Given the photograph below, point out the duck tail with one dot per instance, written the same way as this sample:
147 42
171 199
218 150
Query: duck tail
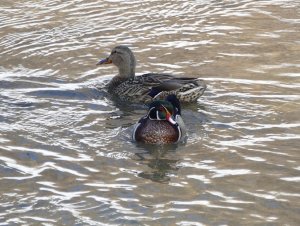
192 91
200 83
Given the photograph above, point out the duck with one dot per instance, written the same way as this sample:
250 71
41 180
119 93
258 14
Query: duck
147 87
162 124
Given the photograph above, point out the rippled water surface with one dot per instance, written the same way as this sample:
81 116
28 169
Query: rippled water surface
66 154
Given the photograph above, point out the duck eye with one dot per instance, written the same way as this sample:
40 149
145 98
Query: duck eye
113 52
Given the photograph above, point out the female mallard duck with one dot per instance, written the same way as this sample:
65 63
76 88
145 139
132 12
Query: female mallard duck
162 124
148 87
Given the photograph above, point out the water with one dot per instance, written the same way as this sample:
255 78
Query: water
66 154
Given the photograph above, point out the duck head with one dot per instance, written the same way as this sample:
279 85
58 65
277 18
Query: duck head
162 110
123 58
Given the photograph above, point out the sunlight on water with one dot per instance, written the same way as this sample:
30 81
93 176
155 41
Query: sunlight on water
66 152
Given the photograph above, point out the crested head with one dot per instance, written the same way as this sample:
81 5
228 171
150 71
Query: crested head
162 110
175 102
123 58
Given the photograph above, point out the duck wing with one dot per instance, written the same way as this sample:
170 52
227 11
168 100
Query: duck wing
158 83
152 79
165 81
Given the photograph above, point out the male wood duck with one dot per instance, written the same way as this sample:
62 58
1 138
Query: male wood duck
162 124
148 87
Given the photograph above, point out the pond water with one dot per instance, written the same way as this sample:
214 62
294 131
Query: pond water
66 154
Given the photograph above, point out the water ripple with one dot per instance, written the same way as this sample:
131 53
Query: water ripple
66 153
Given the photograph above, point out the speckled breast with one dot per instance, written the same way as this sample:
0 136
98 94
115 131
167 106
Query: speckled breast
157 132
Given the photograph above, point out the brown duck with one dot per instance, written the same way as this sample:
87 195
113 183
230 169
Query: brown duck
148 87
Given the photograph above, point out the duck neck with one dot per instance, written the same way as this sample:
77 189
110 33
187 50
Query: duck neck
117 80
123 76
127 72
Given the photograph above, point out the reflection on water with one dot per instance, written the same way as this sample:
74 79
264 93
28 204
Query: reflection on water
66 154
161 167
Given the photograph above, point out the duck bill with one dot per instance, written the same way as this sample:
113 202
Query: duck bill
169 117
104 61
